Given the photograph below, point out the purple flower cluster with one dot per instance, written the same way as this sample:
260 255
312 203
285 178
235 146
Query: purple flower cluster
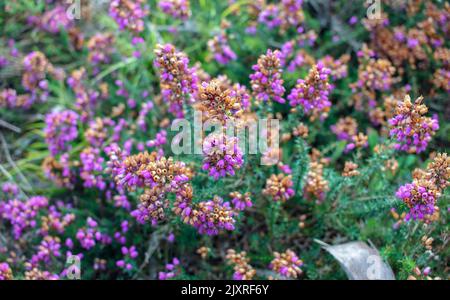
419 197
266 82
53 20
412 130
5 272
22 214
129 14
100 49
159 140
90 235
34 79
86 98
92 168
60 130
313 92
10 188
287 264
241 201
179 9
129 255
214 216
178 82
10 99
221 50
47 250
172 270
270 16
240 92
56 220
119 236
222 155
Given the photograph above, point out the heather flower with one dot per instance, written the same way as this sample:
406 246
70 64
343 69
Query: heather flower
376 74
10 99
129 255
92 168
346 129
306 38
350 169
222 155
179 9
301 130
270 16
279 187
60 130
420 197
313 92
97 133
292 13
100 49
55 220
36 274
213 216
129 14
178 82
241 201
5 272
48 249
146 169
286 264
59 171
22 214
412 130
36 66
286 51
218 102
159 140
242 96
10 188
88 236
316 185
151 208
221 50
240 262
338 67
438 171
441 79
172 269
86 99
266 82
301 58
54 20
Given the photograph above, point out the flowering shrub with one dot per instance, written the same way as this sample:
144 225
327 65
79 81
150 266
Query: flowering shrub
176 139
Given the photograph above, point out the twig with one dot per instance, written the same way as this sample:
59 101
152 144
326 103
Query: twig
10 126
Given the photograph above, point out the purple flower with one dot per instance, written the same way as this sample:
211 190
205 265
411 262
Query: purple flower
221 50
178 82
60 130
22 214
270 16
222 156
420 198
266 82
412 130
129 14
313 92
179 9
